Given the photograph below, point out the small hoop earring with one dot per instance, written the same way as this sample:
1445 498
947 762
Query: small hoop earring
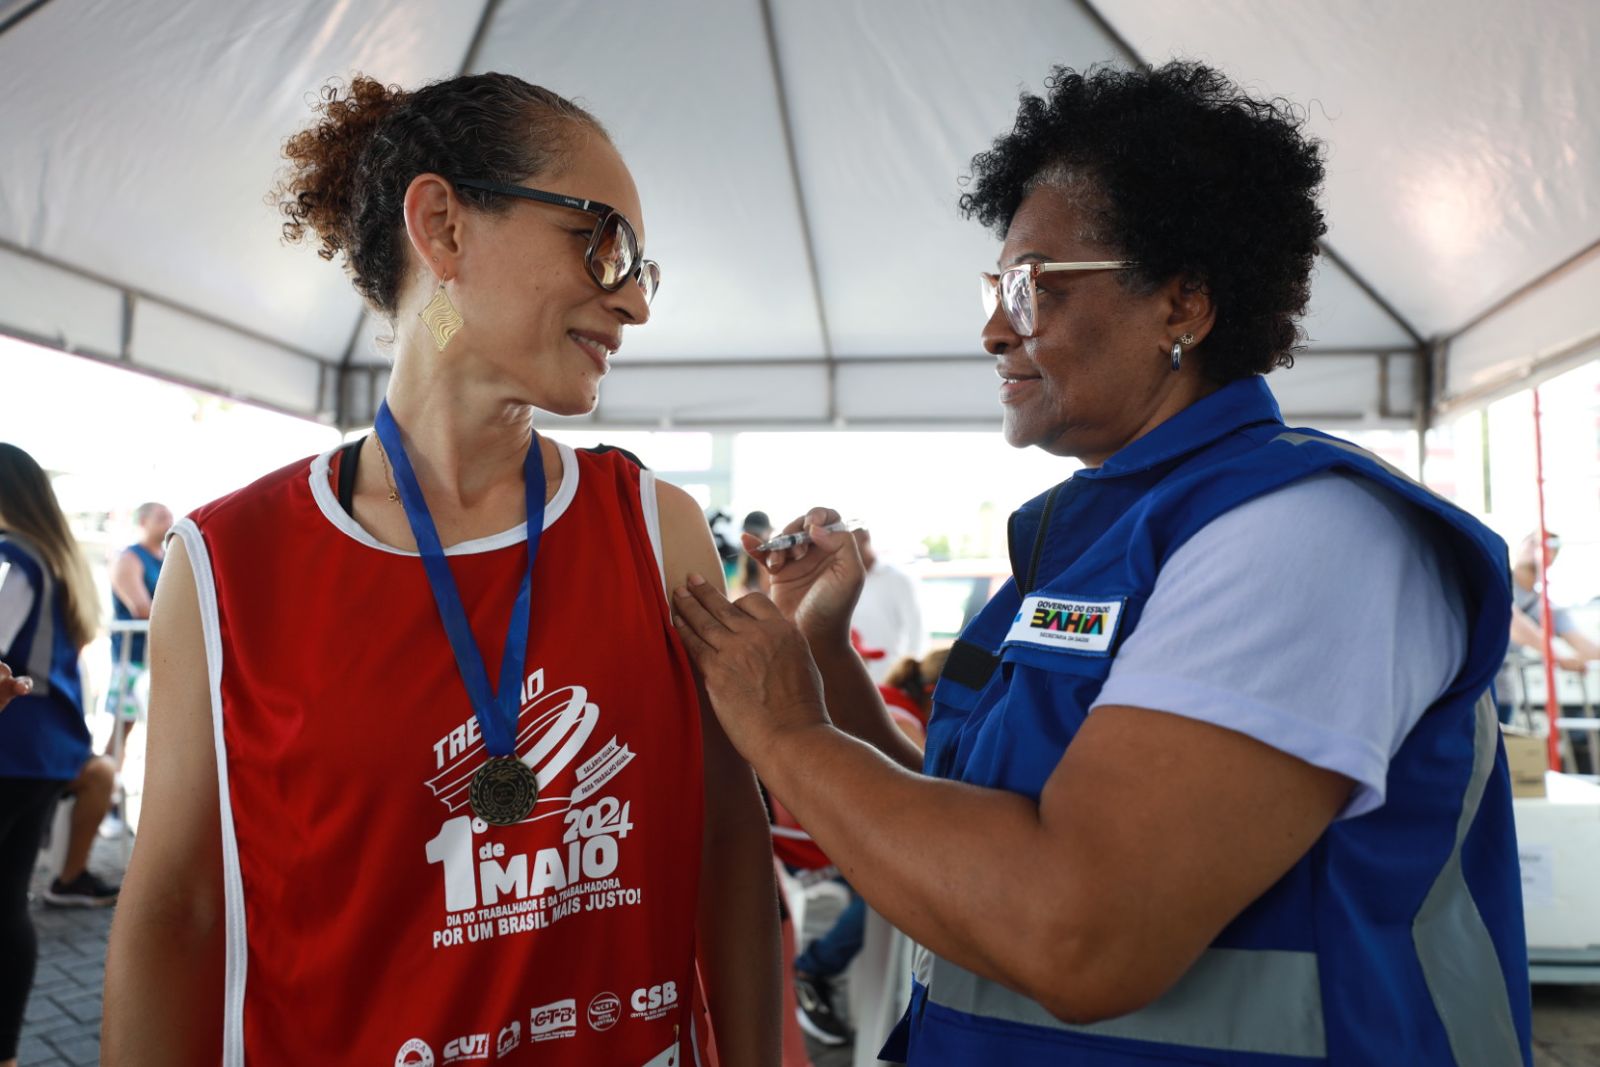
441 318
1177 350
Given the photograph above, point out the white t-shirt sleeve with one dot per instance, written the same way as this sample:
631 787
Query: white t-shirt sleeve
1319 619
910 613
888 618
16 600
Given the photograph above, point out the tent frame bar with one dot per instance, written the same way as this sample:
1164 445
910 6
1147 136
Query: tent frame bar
130 295
209 388
702 363
1535 370
1522 292
1527 376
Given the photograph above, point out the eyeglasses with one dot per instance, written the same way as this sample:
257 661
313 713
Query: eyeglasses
613 253
1016 290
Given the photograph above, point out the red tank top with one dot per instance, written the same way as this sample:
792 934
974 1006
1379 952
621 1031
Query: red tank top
371 919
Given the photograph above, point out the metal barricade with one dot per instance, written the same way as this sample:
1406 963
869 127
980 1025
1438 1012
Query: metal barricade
1575 715
123 698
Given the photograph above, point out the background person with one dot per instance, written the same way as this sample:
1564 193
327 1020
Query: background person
74 885
47 615
498 229
133 584
1157 819
1527 611
726 540
1573 650
888 616
12 686
752 576
907 694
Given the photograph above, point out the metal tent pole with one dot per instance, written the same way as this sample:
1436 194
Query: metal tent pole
1546 620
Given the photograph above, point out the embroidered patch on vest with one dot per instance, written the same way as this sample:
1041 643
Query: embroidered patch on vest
1066 625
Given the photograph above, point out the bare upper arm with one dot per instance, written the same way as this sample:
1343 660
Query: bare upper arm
127 581
686 545
166 960
687 548
1166 828
180 829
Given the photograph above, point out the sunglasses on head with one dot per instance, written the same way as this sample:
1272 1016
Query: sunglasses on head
613 253
1017 291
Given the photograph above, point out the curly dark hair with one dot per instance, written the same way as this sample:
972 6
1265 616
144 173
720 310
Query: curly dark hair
348 173
1187 176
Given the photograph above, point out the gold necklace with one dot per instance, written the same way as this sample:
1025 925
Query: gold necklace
393 495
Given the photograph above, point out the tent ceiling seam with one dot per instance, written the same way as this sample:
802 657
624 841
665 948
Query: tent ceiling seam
479 34
1417 340
1527 289
808 236
12 21
1128 51
1134 56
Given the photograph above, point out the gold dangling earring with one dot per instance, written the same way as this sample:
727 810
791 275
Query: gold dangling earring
441 318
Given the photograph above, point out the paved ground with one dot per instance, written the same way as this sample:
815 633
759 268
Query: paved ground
62 1026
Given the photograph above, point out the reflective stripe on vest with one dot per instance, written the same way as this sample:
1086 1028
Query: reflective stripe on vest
1305 438
1453 944
1281 1015
1270 1001
1452 940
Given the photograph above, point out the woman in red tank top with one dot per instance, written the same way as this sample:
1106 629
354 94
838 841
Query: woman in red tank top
431 781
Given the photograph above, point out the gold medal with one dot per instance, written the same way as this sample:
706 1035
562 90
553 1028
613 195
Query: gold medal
503 791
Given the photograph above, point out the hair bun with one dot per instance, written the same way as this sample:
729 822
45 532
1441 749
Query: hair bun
349 171
318 191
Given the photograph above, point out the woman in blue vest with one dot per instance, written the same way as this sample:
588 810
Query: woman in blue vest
1213 779
48 612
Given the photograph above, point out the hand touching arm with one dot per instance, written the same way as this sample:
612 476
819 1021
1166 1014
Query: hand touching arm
737 942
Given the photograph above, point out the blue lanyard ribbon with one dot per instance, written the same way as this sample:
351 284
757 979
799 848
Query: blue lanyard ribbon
497 712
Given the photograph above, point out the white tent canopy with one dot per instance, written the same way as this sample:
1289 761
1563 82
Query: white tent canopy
798 162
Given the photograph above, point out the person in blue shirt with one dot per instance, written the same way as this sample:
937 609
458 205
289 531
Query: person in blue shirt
1215 778
133 585
48 612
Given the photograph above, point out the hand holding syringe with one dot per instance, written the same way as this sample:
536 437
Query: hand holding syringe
783 542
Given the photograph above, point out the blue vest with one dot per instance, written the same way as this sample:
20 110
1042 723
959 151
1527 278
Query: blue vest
42 735
1398 939
119 610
